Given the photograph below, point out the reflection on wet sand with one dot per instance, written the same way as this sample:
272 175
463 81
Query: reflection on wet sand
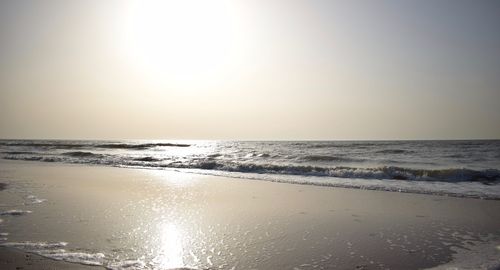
144 219
170 250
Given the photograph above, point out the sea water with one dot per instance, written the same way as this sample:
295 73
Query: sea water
468 168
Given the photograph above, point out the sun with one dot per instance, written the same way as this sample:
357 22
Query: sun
186 41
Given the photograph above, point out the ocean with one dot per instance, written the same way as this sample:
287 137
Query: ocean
469 168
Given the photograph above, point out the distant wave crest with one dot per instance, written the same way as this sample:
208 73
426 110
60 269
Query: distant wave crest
139 146
75 145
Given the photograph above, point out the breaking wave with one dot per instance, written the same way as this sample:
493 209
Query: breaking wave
395 173
488 176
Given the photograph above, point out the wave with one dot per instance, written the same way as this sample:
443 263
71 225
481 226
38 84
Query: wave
150 159
487 176
14 212
394 151
31 245
338 145
20 153
82 154
139 146
54 145
385 172
27 158
327 158
60 145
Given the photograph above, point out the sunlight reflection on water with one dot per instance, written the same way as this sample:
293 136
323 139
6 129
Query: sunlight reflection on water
177 180
170 253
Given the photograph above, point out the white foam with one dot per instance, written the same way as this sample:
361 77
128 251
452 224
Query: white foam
32 199
57 251
38 201
75 257
3 236
477 256
34 246
459 189
15 212
127 265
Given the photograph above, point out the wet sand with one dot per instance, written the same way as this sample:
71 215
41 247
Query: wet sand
11 259
165 219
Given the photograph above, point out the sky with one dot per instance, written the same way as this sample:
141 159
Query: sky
250 70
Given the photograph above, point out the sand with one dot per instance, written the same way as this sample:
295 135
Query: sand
11 259
166 219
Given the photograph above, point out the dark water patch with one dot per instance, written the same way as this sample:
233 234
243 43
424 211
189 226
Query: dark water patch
394 151
141 146
82 154
20 153
148 159
328 158
14 212
27 158
455 156
47 145
77 145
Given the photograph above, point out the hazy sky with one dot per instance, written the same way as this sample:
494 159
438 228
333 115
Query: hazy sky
250 69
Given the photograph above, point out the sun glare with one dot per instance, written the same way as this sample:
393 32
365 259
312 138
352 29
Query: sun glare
170 250
180 41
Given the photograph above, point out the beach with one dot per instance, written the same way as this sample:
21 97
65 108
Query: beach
249 135
123 218
11 259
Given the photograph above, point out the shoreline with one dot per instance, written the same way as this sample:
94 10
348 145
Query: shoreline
344 183
263 224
